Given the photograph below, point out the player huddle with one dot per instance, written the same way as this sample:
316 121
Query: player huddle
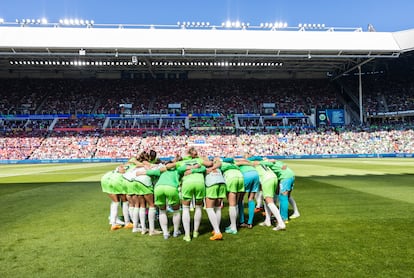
145 183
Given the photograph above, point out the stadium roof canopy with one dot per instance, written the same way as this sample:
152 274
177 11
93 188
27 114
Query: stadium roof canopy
115 51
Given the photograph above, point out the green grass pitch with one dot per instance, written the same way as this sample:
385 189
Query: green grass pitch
357 220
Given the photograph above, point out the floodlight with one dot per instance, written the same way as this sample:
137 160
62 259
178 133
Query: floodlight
371 28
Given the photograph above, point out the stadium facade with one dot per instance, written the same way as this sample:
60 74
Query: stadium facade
117 52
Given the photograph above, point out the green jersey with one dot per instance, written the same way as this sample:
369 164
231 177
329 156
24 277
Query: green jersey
227 166
246 168
169 177
282 170
264 171
182 165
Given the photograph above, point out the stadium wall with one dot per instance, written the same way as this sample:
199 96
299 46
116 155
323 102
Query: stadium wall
121 160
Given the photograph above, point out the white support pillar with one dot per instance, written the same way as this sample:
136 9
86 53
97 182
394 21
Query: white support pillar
361 115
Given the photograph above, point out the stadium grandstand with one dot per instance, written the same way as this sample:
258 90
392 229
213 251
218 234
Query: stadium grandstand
93 92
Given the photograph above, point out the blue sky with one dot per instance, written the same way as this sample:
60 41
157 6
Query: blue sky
384 15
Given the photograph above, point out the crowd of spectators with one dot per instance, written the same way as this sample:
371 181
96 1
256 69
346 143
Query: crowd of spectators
67 145
212 124
118 143
27 96
19 144
384 95
95 96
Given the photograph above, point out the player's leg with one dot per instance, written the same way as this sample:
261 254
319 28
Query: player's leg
135 214
295 213
285 185
125 211
160 201
149 198
199 195
186 219
259 201
113 213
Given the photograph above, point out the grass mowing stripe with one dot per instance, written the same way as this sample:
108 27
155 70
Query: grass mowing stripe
398 187
350 166
387 179
19 170
394 165
89 172
61 174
